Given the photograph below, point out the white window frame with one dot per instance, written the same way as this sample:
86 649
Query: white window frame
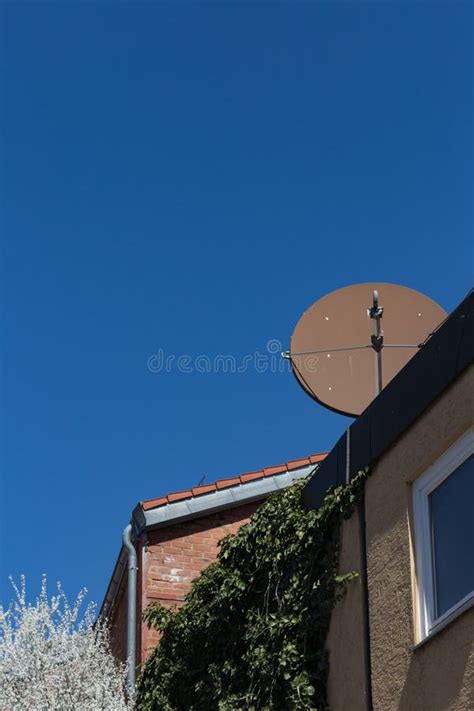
422 488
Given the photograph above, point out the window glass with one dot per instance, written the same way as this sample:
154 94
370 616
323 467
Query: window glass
452 530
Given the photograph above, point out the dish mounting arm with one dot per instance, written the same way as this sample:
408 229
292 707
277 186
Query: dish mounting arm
376 313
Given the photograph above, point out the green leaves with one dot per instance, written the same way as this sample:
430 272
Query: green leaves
252 632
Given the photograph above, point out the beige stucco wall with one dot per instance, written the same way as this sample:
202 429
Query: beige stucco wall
345 639
439 675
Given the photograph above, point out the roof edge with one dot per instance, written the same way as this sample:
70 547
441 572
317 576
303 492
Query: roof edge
217 500
203 489
114 583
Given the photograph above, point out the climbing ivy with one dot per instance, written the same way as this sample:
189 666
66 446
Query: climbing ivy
251 635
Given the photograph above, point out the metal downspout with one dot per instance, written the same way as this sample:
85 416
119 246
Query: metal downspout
131 609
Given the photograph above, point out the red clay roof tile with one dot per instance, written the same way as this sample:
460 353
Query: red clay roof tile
251 476
180 495
203 489
153 503
270 471
297 463
315 458
227 483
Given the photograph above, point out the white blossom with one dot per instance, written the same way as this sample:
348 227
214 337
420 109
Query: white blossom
54 659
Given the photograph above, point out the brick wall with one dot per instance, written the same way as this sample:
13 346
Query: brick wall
169 559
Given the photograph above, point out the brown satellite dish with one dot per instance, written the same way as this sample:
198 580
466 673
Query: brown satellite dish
348 345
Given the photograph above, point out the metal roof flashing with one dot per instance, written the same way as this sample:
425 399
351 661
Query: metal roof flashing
215 501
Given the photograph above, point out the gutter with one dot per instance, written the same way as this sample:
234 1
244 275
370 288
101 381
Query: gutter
114 584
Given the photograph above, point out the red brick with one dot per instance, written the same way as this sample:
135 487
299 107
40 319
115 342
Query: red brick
165 595
177 549
202 562
202 547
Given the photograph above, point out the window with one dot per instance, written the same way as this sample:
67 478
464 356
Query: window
443 508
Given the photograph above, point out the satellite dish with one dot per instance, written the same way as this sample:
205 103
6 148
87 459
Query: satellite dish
348 345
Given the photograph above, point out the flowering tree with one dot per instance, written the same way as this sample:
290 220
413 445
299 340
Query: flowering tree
52 658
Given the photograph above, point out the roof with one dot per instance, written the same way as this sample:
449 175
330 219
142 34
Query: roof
231 481
444 356
208 498
221 494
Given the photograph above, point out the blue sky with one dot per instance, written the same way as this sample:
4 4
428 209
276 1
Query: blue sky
191 177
